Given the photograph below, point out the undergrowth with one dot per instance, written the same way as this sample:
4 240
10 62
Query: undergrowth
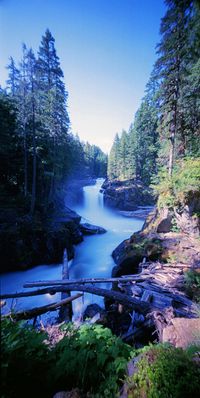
93 360
192 284
90 358
175 190
165 372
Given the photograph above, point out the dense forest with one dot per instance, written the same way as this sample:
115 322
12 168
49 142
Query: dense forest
166 127
144 342
38 150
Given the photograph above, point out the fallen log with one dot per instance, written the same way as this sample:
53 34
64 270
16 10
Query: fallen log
113 295
82 281
34 312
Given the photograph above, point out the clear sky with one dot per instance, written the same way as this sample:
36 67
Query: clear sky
106 49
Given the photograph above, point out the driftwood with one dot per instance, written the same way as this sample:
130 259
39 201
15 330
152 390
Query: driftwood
137 331
113 295
82 281
161 289
154 290
34 312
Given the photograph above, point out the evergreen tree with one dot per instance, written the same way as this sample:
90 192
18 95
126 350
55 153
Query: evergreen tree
22 100
113 160
53 97
44 150
123 158
170 68
13 78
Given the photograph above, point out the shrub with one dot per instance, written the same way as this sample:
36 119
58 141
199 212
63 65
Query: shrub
89 358
25 360
165 372
175 190
92 359
192 279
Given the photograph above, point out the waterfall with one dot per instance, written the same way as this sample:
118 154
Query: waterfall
101 200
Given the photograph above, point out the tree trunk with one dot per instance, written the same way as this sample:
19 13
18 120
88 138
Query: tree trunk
33 197
34 312
125 279
171 150
124 299
25 163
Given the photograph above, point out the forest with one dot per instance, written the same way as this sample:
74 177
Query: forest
166 126
141 339
39 152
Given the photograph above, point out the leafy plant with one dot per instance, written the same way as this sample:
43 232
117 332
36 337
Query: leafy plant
25 360
92 359
165 372
174 227
176 190
89 358
192 280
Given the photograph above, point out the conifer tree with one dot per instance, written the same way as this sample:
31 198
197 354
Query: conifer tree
113 160
13 78
170 66
53 97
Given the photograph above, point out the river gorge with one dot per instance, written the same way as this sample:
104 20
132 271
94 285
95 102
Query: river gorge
92 256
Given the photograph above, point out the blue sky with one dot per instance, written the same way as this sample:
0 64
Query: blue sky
106 49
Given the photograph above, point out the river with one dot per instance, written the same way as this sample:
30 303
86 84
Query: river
92 259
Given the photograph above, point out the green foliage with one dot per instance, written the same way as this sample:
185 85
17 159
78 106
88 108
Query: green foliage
133 154
38 150
166 126
175 227
92 359
94 161
165 372
25 360
192 280
176 190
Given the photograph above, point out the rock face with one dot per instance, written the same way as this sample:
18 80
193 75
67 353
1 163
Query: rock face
26 241
94 309
164 237
182 332
127 195
188 216
89 229
131 252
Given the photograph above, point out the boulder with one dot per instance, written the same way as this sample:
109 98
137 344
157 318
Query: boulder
89 229
188 215
92 310
130 253
164 221
182 332
127 195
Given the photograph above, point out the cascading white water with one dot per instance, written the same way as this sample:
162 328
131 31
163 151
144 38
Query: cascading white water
93 256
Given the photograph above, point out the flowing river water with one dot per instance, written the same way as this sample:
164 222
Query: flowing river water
92 256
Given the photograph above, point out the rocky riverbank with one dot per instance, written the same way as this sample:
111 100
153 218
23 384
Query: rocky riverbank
26 241
161 258
127 195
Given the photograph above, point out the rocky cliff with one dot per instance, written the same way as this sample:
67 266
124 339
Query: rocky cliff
127 195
